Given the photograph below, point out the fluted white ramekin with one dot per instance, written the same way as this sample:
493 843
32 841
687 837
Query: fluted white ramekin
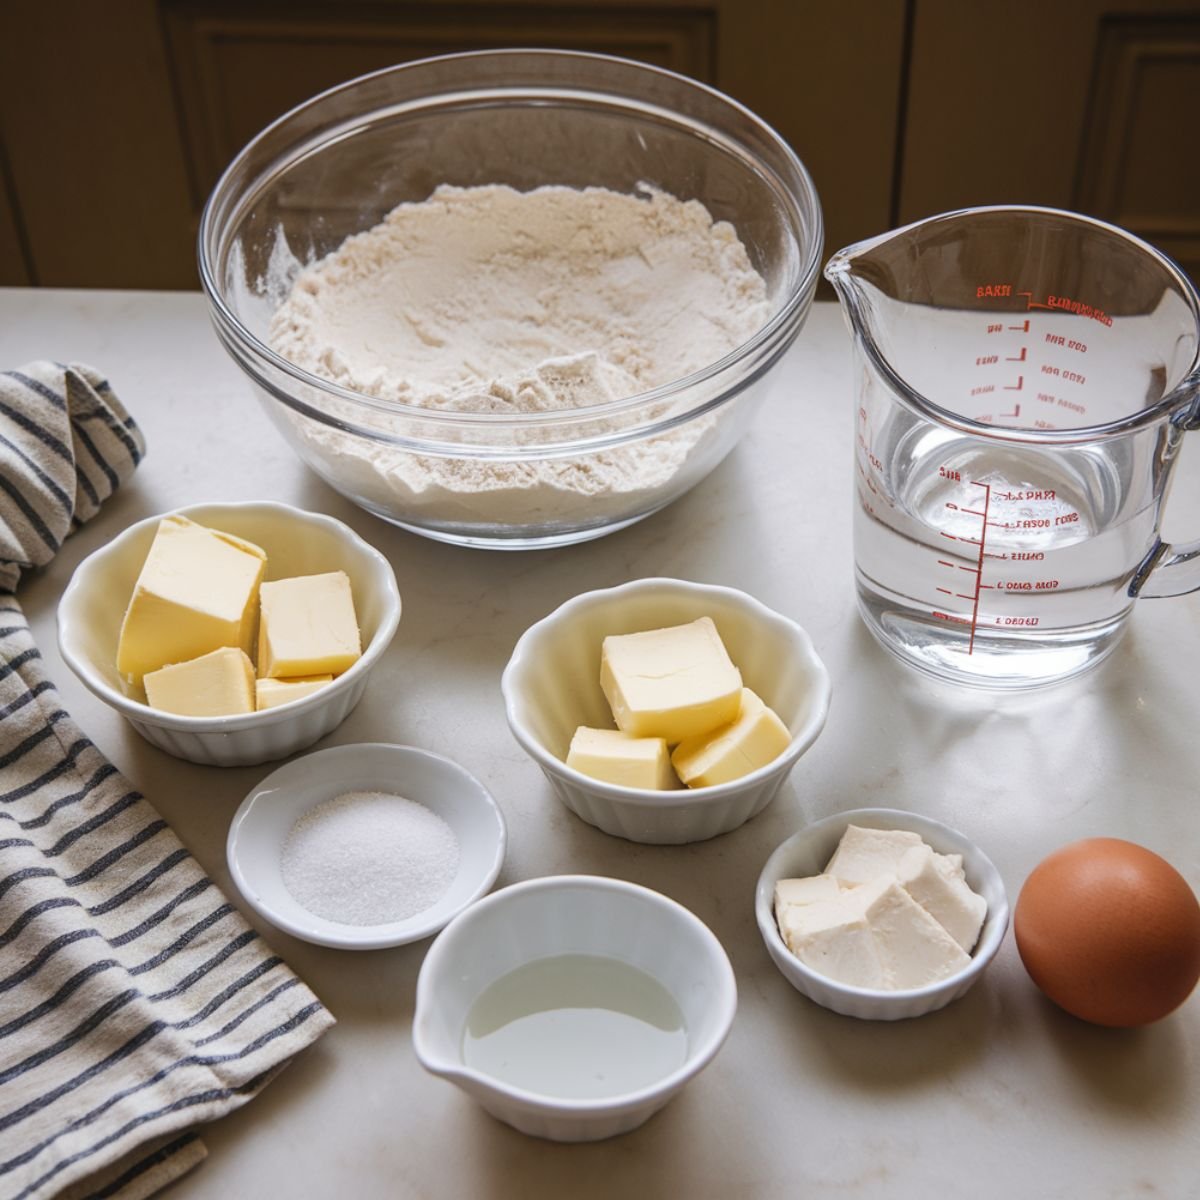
571 914
297 543
552 685
806 853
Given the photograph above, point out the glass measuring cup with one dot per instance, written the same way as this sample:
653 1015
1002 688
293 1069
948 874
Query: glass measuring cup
1024 377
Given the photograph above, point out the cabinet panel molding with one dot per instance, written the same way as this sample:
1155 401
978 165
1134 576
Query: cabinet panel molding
14 269
93 145
1135 171
240 66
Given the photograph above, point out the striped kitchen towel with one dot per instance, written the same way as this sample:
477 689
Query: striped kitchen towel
135 1003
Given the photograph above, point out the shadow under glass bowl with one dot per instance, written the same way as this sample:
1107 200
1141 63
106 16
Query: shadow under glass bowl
337 164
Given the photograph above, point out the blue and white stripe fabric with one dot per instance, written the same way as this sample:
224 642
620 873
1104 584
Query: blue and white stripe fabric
135 1002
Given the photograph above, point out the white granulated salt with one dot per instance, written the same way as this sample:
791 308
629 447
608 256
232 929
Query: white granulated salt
369 858
486 299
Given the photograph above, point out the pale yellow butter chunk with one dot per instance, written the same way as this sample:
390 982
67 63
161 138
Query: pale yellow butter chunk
217 684
307 626
271 693
672 683
619 758
197 591
757 737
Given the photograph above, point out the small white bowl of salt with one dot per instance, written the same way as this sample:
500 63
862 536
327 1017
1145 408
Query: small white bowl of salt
366 846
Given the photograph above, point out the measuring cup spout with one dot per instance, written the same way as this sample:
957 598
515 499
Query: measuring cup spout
872 279
847 269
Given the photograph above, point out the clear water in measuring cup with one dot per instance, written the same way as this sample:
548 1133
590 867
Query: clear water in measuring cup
995 565
1024 383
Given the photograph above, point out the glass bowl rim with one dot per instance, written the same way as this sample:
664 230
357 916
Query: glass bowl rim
787 317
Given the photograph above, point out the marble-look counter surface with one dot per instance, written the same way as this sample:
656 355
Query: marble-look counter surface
1000 1095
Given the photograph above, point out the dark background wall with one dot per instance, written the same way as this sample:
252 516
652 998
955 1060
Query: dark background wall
116 117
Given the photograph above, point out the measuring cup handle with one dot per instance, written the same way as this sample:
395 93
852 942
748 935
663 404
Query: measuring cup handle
1170 570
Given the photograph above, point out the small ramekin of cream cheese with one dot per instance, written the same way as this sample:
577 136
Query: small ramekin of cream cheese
604 658
881 914
205 613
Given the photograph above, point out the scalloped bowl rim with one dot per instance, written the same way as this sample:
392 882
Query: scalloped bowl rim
991 938
798 637
81 665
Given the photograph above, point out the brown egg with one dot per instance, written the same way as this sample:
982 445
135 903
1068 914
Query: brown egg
1110 932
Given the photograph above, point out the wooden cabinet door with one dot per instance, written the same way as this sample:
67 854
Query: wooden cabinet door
1088 105
114 149
14 269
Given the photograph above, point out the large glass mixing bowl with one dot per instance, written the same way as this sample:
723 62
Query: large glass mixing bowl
338 163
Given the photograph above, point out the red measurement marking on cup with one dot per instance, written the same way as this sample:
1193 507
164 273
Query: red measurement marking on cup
988 291
1071 304
977 569
987 500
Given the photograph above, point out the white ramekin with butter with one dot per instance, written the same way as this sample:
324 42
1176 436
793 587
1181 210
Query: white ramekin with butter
297 544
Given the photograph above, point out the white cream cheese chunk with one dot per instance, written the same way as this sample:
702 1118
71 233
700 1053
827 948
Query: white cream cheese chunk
671 683
874 936
805 891
864 854
834 938
914 948
889 912
940 887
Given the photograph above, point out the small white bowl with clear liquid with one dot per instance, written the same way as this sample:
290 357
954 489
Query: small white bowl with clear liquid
573 1007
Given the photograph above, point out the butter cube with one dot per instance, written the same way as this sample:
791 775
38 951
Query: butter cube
197 591
756 737
217 684
671 683
940 887
864 854
270 693
616 757
307 626
804 891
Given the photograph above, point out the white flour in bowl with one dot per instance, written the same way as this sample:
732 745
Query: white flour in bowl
486 299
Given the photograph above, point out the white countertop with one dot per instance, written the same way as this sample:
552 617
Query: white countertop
1000 1095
